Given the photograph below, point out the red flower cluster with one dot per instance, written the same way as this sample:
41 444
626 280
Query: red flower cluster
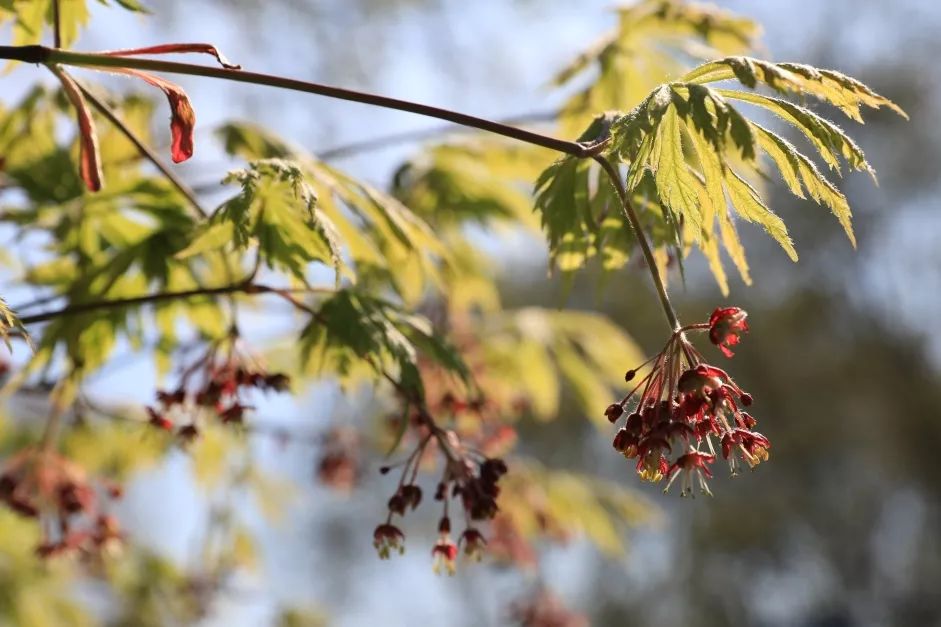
215 385
684 406
469 456
468 477
41 484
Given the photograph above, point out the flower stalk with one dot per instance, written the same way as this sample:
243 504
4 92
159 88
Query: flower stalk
615 177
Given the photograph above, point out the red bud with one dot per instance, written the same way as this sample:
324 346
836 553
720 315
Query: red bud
89 157
183 117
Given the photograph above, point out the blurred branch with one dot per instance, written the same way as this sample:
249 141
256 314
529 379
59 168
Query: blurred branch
50 56
384 141
245 287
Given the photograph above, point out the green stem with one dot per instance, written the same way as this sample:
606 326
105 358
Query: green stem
50 432
45 55
631 215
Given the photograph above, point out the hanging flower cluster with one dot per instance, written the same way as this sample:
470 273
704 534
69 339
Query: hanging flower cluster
471 454
214 386
39 483
686 408
469 477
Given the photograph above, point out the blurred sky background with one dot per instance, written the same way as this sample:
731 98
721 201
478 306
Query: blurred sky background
841 528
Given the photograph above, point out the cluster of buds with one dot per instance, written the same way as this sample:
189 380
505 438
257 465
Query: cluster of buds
686 406
41 484
214 385
469 478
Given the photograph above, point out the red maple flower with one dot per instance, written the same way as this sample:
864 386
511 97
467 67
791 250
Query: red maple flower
445 555
387 538
726 324
613 412
652 466
411 495
444 551
474 543
690 465
42 484
750 445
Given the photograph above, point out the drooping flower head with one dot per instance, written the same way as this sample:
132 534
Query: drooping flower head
474 543
684 405
444 552
750 446
387 538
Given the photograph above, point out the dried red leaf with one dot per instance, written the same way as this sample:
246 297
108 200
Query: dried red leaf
183 117
177 48
89 156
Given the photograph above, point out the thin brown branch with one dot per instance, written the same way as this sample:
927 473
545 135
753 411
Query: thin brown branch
237 288
45 55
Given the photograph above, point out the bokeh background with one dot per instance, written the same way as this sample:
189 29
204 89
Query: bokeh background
843 527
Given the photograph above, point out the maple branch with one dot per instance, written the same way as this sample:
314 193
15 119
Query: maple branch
245 287
615 177
47 56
